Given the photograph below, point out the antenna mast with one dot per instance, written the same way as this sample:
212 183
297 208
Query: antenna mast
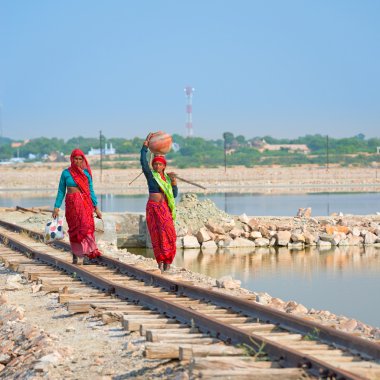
1 121
189 110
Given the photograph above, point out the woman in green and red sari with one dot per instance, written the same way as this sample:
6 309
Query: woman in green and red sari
160 208
80 204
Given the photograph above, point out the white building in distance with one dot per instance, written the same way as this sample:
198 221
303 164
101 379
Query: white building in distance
106 151
293 148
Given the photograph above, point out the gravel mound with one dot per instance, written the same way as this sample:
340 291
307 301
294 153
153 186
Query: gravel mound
193 214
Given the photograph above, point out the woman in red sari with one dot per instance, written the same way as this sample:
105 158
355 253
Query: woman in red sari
160 209
80 204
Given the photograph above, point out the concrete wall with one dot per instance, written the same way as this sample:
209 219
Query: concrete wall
123 229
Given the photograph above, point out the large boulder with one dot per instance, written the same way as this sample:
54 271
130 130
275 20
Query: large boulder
309 238
262 242
254 224
297 237
332 229
228 282
228 224
304 212
236 232
323 244
203 235
239 242
190 241
255 235
370 238
355 240
283 238
265 232
215 228
243 218
209 246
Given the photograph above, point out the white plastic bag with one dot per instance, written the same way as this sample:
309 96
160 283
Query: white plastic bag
54 230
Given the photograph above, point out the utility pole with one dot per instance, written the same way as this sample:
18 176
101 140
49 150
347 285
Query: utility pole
1 121
327 152
101 156
225 152
189 110
101 166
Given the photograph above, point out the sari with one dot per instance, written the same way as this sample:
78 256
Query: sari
162 231
79 211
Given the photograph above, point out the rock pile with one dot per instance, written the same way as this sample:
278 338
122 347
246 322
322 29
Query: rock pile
339 322
26 351
203 225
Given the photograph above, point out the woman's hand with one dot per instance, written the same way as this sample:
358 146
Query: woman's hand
173 178
98 213
146 142
55 213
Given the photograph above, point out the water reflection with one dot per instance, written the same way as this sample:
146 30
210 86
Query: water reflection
344 280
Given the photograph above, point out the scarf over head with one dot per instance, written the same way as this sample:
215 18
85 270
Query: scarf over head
79 176
159 159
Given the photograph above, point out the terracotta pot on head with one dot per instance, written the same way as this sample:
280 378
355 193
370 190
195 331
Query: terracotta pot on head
160 143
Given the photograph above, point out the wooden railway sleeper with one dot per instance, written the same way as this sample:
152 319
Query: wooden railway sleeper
306 362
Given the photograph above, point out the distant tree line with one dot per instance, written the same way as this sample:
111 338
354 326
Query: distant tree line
199 152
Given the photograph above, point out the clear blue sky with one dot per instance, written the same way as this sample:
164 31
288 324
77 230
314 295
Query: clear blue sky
282 68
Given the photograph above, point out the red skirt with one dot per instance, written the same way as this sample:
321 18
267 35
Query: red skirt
162 232
81 226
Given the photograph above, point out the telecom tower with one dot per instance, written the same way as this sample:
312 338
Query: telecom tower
189 110
1 120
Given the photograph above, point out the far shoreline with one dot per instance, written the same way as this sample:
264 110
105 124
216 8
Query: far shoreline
44 178
284 189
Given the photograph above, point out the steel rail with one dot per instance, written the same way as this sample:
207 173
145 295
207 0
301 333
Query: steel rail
216 328
266 314
289 357
296 324
293 323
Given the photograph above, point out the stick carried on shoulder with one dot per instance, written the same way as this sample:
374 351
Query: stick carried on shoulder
180 178
134 179
191 183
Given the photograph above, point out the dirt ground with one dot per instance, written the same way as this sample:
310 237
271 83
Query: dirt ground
86 348
45 177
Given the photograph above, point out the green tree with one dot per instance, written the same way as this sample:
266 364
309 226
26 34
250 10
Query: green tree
6 152
240 140
41 146
83 143
228 137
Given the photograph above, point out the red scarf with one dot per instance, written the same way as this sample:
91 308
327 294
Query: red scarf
163 161
79 176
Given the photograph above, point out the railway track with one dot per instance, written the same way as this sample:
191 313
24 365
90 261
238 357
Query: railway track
190 323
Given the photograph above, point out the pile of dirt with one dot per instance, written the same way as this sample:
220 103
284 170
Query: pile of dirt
193 214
